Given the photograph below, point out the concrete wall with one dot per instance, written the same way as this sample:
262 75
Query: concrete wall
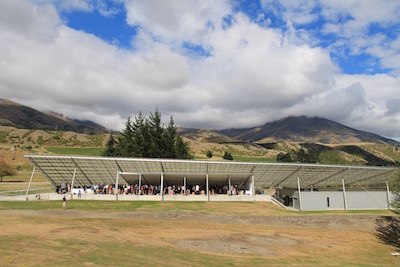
366 200
319 200
356 200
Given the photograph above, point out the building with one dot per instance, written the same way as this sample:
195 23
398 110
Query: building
298 186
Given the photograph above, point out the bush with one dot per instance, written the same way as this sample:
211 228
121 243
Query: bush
227 156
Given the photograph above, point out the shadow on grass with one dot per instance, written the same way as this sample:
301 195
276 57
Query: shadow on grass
388 230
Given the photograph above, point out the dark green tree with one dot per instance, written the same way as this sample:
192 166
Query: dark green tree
227 156
169 136
156 130
182 148
140 137
126 143
209 154
284 157
148 138
110 149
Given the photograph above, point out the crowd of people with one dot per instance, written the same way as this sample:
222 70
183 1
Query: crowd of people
149 189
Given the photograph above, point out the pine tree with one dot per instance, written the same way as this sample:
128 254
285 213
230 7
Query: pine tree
110 149
126 143
147 138
169 140
182 148
139 136
156 134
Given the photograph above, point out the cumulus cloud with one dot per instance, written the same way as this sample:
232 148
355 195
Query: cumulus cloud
251 73
177 21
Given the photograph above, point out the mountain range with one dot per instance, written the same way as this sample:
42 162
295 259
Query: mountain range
20 116
289 129
305 129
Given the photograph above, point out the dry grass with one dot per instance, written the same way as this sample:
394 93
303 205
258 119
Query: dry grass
127 238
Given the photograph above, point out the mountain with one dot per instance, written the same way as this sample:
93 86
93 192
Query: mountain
305 129
20 116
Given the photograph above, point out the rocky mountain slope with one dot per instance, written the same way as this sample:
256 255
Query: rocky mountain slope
306 129
23 117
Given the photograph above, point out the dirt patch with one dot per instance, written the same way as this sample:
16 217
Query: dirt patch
13 157
333 222
233 244
76 229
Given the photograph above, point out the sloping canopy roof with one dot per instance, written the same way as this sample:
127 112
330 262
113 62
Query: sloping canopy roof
102 170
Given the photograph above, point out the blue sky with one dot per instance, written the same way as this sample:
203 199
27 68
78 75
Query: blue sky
210 64
114 29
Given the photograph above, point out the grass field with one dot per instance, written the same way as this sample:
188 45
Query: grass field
82 151
110 233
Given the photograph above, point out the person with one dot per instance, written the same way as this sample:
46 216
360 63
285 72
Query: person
79 194
64 205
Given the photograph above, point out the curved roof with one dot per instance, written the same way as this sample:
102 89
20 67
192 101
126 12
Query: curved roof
101 170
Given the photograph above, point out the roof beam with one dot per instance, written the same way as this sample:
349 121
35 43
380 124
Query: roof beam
287 177
77 166
330 176
367 178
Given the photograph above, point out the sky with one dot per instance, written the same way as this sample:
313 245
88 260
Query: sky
210 64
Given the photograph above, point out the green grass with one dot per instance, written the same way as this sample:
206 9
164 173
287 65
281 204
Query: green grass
81 151
206 207
251 159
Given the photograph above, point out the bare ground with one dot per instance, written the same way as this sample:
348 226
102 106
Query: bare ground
260 243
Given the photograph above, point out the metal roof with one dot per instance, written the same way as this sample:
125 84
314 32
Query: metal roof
101 170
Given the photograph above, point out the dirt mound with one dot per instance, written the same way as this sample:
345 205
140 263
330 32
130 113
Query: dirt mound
35 135
70 136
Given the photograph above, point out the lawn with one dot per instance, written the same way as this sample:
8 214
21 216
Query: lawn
81 151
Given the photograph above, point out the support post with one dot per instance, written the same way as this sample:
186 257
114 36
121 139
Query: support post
72 183
344 195
184 185
116 187
30 181
208 192
229 188
298 188
140 184
253 189
388 195
162 186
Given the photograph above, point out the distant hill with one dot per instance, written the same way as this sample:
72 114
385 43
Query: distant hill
20 116
305 129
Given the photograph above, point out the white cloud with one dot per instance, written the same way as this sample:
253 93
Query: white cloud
254 73
173 20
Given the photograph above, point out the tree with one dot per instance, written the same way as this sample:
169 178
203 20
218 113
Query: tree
110 149
156 134
169 137
209 154
141 137
284 157
148 138
182 148
331 157
227 156
6 170
126 146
